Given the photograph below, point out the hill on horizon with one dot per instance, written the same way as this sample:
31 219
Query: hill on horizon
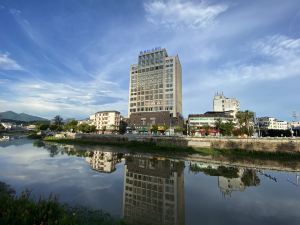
22 117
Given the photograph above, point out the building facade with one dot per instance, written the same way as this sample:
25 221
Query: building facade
164 119
153 191
223 104
106 120
270 123
155 83
197 122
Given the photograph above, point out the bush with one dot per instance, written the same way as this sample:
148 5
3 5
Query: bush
22 210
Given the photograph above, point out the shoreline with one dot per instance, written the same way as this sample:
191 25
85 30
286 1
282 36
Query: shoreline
151 147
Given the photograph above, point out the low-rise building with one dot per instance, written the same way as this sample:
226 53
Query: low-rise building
270 123
295 125
106 121
197 122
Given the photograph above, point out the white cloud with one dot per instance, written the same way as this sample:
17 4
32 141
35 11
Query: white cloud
279 46
69 100
273 58
177 13
6 63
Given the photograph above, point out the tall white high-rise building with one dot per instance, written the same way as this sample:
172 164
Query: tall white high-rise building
223 104
155 83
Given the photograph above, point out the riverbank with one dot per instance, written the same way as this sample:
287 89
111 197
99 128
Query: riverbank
249 144
138 146
23 210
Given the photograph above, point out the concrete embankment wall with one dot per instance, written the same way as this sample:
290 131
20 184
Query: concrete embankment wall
271 145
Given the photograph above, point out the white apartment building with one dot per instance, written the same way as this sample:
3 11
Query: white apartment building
155 83
106 120
295 124
270 123
222 104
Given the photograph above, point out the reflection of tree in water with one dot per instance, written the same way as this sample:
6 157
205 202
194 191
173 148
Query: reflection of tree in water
230 179
250 178
228 172
38 144
55 149
52 149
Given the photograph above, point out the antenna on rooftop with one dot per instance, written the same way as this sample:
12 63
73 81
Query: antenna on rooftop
295 116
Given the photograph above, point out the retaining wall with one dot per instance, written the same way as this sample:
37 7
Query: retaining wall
256 144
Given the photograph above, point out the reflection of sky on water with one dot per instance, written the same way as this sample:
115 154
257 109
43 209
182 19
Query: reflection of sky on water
268 203
70 177
73 180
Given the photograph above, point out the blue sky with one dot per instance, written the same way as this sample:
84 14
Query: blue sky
73 57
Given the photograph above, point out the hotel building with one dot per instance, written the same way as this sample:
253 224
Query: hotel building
155 85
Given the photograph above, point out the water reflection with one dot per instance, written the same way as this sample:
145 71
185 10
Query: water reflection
99 160
104 162
230 179
153 191
149 189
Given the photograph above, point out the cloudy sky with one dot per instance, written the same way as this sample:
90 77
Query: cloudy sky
73 57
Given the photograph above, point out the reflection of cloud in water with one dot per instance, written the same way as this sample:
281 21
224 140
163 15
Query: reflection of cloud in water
267 203
74 181
69 177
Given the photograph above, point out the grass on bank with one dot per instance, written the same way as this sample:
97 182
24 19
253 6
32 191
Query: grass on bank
22 210
232 154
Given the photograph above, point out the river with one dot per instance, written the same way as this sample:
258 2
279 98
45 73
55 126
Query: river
147 188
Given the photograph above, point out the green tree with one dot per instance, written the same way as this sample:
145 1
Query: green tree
226 129
154 129
178 129
42 126
218 124
86 128
245 119
71 126
206 128
58 120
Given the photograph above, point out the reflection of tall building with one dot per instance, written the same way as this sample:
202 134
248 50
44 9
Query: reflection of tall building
103 161
153 191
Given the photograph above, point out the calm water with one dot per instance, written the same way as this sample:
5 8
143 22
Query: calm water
148 189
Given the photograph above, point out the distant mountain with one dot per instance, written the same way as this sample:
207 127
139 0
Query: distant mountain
23 117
